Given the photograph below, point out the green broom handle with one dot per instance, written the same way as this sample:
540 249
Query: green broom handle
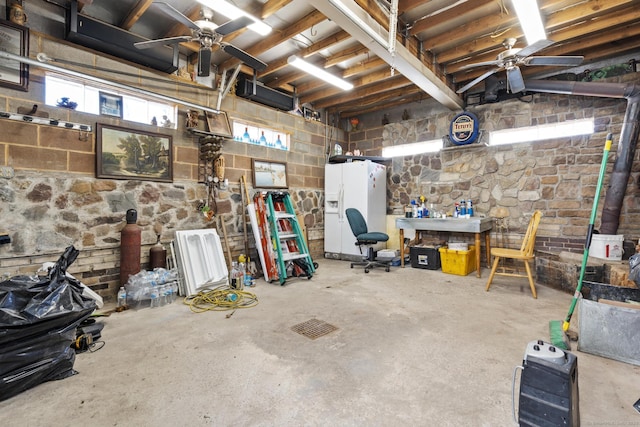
594 211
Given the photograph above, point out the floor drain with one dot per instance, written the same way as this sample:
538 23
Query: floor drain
313 328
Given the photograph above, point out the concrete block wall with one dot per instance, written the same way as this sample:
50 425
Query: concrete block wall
51 198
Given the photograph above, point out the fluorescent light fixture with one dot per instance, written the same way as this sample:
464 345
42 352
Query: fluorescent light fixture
542 132
319 72
432 146
530 20
355 17
231 11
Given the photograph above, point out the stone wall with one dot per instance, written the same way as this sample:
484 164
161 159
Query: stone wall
557 176
50 197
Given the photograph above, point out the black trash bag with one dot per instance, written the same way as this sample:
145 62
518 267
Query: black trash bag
38 321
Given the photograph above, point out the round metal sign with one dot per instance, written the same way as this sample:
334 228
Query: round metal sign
464 128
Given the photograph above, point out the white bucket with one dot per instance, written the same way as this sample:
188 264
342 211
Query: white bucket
606 246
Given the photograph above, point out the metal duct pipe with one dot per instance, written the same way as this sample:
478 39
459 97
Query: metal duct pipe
43 63
626 145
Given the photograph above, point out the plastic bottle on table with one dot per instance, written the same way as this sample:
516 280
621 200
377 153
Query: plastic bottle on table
463 209
469 208
122 297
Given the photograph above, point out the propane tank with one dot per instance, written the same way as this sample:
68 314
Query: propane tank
157 256
130 240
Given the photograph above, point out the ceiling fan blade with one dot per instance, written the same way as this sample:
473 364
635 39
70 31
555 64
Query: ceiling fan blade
235 25
480 64
533 48
170 40
243 56
204 62
516 82
477 80
174 13
566 61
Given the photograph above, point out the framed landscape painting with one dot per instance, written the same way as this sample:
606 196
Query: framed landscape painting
269 174
123 153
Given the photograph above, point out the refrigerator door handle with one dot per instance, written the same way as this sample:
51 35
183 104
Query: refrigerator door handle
340 202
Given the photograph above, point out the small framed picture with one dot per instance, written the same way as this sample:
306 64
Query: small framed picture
269 174
14 39
110 105
218 124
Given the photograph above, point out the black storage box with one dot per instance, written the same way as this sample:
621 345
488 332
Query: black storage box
424 257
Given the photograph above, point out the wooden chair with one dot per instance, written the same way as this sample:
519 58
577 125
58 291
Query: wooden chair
525 253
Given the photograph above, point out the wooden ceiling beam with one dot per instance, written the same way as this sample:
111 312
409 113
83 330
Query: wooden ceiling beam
406 5
83 3
411 95
307 88
390 84
486 27
374 11
345 55
134 14
451 13
325 43
364 66
272 6
601 41
372 64
573 46
357 105
180 30
578 13
278 37
281 81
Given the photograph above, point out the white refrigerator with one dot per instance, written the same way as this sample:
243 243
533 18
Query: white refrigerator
361 185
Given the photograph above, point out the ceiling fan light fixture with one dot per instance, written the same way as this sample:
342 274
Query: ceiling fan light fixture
311 69
231 11
530 20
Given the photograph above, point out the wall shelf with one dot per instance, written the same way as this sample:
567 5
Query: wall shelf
45 121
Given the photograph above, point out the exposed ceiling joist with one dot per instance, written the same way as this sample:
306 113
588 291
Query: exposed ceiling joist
407 64
276 38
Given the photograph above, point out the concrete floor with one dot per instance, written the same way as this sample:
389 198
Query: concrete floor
414 347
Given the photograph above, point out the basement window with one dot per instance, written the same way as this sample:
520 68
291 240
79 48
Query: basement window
87 99
542 132
257 135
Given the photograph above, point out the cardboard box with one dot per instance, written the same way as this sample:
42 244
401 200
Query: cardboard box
426 257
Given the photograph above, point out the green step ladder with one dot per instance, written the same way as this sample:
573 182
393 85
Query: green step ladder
292 253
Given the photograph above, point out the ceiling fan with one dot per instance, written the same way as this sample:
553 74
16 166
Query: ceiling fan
208 34
511 58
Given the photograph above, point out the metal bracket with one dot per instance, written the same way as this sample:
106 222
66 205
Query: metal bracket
225 87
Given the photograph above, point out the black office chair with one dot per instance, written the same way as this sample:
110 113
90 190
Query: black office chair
365 238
